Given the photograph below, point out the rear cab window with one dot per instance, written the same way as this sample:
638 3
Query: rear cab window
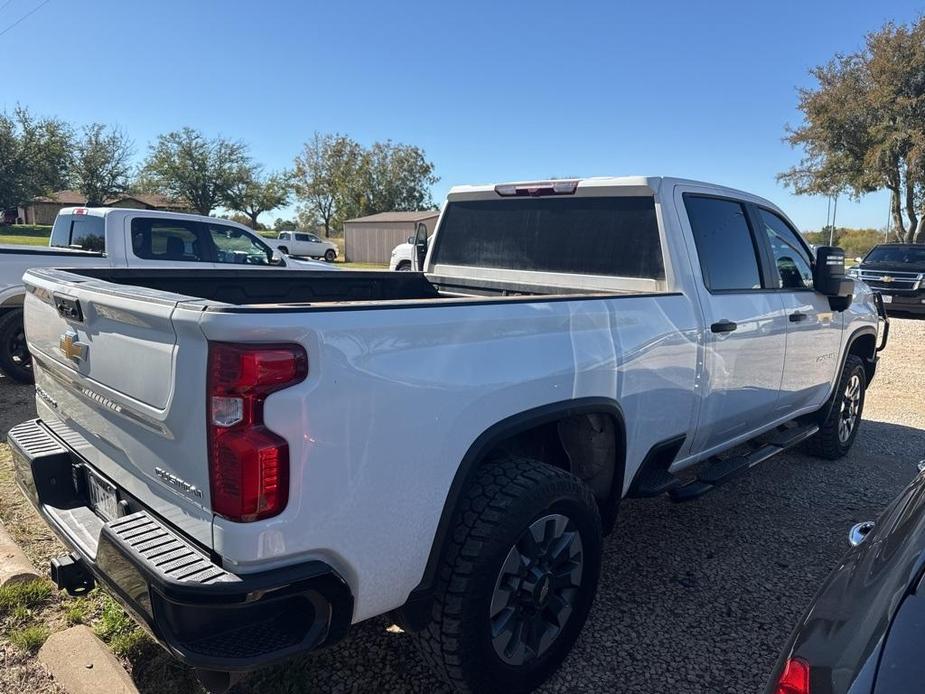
79 231
614 236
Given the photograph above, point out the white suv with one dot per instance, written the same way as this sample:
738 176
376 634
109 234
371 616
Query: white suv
302 243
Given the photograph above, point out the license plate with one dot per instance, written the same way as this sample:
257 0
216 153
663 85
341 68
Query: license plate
887 299
103 497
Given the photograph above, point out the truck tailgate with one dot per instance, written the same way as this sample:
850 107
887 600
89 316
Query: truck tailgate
106 368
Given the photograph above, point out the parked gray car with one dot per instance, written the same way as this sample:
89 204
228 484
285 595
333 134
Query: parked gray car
864 631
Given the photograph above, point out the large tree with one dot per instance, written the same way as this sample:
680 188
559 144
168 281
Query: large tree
328 178
396 177
185 164
102 163
864 126
255 194
337 178
35 156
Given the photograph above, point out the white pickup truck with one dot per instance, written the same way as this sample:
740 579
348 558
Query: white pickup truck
114 237
305 245
288 455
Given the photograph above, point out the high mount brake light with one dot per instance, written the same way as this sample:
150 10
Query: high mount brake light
794 679
508 190
248 463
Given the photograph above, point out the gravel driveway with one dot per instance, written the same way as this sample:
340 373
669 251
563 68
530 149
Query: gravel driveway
696 597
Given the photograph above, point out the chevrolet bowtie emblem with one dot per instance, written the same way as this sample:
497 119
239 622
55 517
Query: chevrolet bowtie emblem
71 348
886 278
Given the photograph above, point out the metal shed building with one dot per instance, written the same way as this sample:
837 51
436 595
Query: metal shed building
371 239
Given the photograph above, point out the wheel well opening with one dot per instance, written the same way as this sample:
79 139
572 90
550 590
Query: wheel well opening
589 445
865 347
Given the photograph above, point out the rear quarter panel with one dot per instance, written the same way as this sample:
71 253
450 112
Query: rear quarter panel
395 397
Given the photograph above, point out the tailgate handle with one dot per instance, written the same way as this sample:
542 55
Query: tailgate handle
69 308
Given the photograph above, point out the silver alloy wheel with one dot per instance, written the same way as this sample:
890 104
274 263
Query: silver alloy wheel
850 409
536 589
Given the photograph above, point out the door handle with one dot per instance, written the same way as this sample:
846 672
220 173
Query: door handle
723 326
796 317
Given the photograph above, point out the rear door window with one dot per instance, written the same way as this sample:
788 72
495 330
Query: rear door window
86 232
610 236
169 239
725 246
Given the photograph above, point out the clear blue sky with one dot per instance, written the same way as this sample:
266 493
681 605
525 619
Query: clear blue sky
492 91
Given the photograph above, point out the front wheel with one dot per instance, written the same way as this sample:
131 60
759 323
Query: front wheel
330 255
15 360
284 249
839 429
517 580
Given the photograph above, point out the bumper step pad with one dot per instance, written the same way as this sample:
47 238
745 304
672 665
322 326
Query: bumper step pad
162 550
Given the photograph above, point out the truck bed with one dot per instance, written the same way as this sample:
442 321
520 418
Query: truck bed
276 287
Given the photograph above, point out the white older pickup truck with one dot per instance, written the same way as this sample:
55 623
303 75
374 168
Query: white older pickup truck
251 462
105 236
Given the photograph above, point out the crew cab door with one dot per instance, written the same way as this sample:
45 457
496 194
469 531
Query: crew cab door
814 331
745 329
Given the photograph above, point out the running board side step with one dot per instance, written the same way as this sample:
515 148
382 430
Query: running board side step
718 471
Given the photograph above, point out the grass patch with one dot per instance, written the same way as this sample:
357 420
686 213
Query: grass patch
117 629
25 234
77 612
27 596
362 266
29 638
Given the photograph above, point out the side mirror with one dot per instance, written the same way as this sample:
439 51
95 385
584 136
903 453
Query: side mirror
829 277
420 246
411 240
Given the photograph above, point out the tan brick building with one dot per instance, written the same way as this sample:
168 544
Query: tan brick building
43 210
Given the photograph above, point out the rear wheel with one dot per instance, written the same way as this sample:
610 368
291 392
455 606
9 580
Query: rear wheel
517 580
330 255
837 433
15 360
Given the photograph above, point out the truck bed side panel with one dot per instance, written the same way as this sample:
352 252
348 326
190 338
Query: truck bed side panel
394 399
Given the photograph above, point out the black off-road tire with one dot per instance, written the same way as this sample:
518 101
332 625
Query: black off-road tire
827 443
330 255
499 506
15 360
404 266
284 249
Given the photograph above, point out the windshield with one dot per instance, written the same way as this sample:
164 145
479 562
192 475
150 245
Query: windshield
612 236
910 255
86 232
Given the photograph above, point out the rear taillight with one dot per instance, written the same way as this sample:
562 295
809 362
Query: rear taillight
248 463
795 678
